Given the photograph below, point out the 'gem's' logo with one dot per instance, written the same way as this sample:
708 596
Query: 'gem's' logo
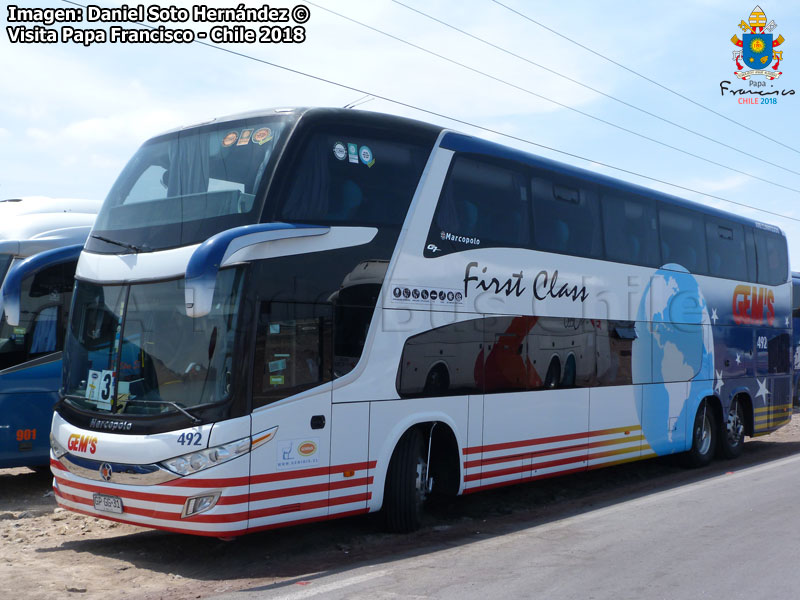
757 48
752 305
82 443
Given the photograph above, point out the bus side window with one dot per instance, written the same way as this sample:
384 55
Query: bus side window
750 250
630 229
566 216
773 265
481 204
293 350
683 239
725 248
353 178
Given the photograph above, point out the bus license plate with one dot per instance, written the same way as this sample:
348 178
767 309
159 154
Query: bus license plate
112 504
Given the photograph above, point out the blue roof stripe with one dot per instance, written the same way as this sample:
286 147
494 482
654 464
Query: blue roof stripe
459 142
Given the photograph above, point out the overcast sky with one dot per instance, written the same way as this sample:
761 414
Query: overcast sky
71 116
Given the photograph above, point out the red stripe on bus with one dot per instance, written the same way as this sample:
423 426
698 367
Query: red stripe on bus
548 440
270 477
225 517
302 506
228 533
548 464
490 486
528 467
160 514
224 500
57 465
161 527
147 497
561 449
349 513
296 491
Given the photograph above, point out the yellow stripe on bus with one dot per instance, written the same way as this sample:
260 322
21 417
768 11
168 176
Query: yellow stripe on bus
780 407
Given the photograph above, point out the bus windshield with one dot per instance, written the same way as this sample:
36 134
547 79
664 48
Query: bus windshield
132 349
181 188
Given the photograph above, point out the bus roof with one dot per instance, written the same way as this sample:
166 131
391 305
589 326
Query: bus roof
295 114
34 224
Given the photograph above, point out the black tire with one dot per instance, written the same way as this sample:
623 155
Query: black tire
553 376
731 436
704 437
404 492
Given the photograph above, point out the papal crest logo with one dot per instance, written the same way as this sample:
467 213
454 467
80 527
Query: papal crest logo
757 47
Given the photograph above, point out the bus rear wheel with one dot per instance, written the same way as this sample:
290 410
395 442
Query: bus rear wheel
731 440
704 437
406 484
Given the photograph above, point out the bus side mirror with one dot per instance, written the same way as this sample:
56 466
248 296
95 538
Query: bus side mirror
211 256
12 285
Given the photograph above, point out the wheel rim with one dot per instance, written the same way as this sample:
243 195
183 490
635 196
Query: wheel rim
703 435
735 424
420 487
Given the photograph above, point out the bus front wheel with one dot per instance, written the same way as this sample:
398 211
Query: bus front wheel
406 484
704 436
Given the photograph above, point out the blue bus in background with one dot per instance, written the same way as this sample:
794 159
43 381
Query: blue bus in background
40 240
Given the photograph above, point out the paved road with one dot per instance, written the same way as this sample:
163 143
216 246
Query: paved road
731 536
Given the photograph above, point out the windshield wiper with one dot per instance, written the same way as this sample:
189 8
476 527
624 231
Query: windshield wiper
136 249
194 419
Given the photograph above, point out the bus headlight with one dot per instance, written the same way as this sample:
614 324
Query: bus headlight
58 449
210 457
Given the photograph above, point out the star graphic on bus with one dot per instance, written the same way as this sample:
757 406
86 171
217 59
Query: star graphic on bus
714 316
738 358
762 389
718 385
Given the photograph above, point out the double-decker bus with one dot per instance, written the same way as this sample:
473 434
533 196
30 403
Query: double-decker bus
294 315
40 241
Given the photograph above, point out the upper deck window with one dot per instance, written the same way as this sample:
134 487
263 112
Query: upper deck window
481 205
773 264
566 214
630 229
184 187
726 249
683 239
353 178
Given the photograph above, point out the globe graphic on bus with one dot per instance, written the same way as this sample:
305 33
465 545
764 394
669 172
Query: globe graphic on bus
676 347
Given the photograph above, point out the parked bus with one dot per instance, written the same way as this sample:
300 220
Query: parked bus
40 241
264 298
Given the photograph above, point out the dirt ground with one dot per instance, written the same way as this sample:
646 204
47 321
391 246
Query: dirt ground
46 552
